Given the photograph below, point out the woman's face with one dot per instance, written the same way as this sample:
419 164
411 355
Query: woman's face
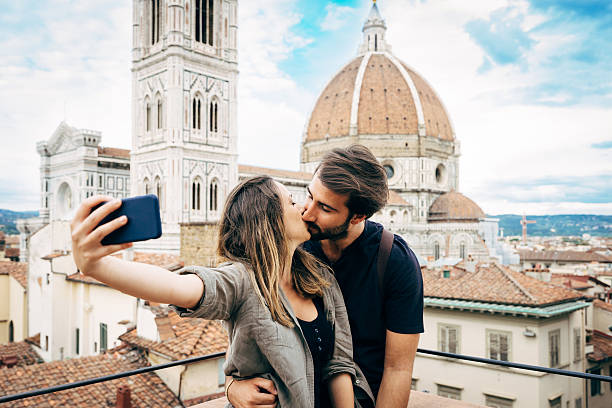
295 228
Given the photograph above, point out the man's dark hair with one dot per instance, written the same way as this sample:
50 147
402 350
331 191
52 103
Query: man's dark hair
355 171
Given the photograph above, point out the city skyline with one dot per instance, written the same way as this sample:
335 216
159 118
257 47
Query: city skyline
526 84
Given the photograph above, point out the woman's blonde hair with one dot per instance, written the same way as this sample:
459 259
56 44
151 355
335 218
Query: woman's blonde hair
252 232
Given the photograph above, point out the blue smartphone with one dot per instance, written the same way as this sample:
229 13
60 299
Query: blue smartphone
144 221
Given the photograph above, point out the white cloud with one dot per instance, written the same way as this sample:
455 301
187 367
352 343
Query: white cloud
502 138
336 17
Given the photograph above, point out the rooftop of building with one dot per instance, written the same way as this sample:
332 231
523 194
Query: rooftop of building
113 152
602 347
181 337
147 390
22 350
563 256
454 207
18 270
493 283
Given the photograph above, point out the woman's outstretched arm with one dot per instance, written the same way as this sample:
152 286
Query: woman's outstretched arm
341 391
137 279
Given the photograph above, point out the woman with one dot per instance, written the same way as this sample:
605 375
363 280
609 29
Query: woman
286 316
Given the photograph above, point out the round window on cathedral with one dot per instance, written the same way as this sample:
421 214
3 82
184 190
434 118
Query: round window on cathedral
389 170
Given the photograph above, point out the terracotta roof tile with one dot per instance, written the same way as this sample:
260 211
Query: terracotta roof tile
11 252
113 152
602 305
570 282
562 256
35 340
24 352
452 207
18 270
602 346
494 284
396 199
256 171
182 337
147 390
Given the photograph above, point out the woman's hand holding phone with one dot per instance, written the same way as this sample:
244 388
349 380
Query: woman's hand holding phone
87 248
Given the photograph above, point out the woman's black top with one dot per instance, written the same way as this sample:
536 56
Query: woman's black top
320 338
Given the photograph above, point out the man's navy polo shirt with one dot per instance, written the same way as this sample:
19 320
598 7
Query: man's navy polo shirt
370 317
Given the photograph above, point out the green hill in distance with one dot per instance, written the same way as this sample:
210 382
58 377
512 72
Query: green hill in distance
545 226
557 225
8 220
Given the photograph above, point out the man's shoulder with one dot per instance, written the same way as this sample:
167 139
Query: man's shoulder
402 257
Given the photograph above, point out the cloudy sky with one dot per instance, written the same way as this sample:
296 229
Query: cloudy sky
527 83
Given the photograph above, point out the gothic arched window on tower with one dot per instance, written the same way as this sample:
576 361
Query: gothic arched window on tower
213 115
196 113
148 115
462 250
147 188
436 251
204 21
160 113
213 196
155 21
159 191
196 191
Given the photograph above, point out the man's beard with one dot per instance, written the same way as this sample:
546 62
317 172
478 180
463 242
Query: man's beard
334 233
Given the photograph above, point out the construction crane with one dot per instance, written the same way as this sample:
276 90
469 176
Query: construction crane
524 223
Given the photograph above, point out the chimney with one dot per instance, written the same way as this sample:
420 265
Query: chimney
9 361
124 399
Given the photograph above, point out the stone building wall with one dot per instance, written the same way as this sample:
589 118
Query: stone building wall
199 244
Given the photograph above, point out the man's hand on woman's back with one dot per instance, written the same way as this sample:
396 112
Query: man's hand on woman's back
252 393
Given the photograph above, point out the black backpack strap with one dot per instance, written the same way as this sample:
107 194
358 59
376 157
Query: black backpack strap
384 251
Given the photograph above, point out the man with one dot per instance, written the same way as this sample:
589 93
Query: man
348 187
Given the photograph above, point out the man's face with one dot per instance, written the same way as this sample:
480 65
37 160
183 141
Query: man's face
325 212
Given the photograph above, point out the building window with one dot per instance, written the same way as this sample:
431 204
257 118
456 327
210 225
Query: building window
46 343
578 402
77 339
413 384
160 112
213 116
196 113
499 345
101 181
147 187
595 384
498 402
449 392
11 332
555 402
204 21
448 338
577 348
196 187
436 251
103 337
155 21
462 250
148 117
159 191
213 198
553 347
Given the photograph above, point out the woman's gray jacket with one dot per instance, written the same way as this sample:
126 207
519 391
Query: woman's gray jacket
261 347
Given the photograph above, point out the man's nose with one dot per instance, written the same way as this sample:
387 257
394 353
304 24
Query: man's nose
307 213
